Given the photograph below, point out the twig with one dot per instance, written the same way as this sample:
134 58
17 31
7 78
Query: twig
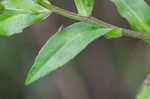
93 20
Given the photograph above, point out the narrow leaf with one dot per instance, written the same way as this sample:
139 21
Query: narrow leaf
13 23
136 12
28 5
84 7
62 47
17 15
116 33
144 91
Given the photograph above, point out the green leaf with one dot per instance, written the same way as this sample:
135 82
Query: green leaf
115 33
62 47
84 7
28 5
136 12
144 91
17 15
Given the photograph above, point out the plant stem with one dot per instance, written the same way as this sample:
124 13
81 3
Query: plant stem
93 20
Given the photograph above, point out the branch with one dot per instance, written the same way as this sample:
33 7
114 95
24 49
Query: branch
93 20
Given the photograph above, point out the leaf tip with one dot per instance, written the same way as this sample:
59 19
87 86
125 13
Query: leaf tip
31 77
28 81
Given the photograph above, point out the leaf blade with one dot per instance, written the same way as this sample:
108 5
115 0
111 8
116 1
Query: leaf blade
84 7
14 23
136 12
62 47
15 16
144 91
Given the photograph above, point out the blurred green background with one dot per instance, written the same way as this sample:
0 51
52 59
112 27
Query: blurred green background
107 69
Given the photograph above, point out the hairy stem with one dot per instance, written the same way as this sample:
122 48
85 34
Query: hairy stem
93 20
